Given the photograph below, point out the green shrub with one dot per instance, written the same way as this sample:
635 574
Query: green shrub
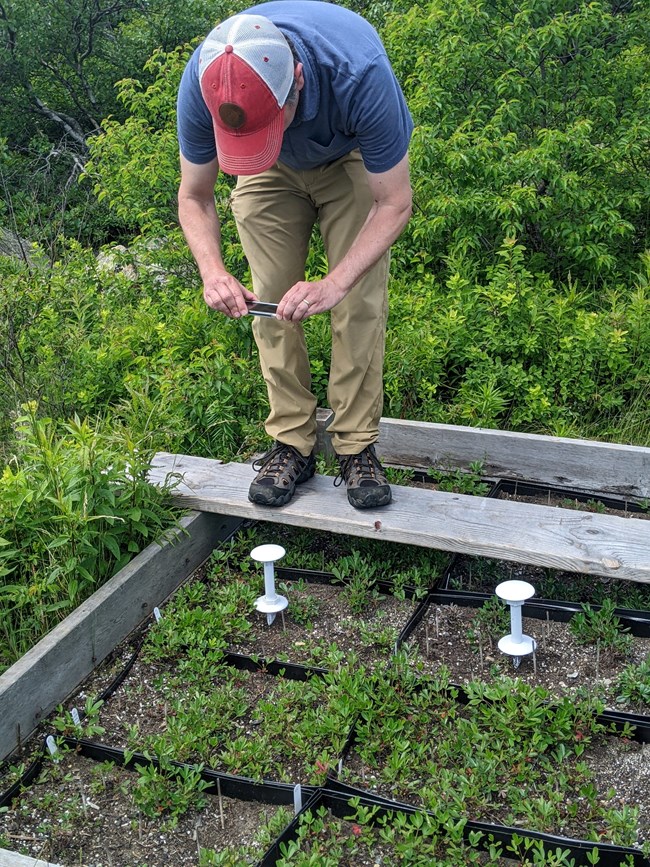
516 350
601 627
531 125
129 339
74 509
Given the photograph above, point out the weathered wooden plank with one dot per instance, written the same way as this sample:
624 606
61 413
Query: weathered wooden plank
53 668
542 535
14 859
583 465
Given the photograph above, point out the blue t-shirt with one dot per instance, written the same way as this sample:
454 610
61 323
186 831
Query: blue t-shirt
351 98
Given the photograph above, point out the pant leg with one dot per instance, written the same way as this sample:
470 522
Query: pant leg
275 216
356 388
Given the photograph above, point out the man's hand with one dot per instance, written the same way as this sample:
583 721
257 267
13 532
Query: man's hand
390 211
226 294
304 299
200 223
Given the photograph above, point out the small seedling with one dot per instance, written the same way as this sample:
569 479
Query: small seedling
358 576
397 476
601 627
491 621
168 790
633 685
461 481
72 725
304 607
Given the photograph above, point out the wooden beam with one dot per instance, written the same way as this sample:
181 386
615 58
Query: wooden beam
583 465
13 859
46 675
562 539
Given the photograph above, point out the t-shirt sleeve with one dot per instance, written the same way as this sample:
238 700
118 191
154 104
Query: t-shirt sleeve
193 120
379 117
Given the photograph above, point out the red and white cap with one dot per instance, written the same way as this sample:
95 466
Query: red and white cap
246 69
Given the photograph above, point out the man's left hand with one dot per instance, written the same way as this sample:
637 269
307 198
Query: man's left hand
304 299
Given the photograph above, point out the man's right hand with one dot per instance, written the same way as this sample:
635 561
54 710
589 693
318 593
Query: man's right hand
225 293
200 222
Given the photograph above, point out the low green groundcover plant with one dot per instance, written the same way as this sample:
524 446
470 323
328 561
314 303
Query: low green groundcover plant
508 755
371 836
601 627
351 559
246 723
217 612
82 811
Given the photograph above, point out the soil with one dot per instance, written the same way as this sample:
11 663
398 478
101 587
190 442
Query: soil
143 708
81 812
560 664
369 636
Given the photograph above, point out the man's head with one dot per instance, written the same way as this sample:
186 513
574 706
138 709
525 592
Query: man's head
248 74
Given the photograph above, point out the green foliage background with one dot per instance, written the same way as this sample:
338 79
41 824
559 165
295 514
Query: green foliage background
520 291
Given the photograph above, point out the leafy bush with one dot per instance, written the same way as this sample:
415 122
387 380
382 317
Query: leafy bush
633 684
591 626
532 126
516 350
129 338
74 509
134 162
518 296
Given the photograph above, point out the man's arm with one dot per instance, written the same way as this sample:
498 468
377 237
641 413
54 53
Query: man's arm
200 223
387 218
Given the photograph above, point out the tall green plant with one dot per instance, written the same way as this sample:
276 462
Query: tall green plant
531 123
516 349
74 509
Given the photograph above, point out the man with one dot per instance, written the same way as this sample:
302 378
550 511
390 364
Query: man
297 98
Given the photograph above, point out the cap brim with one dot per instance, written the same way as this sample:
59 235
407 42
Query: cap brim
252 153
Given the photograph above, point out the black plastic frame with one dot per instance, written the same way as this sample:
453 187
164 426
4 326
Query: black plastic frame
228 785
560 612
510 486
335 795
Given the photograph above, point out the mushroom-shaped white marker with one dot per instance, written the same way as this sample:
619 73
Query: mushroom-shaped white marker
271 602
515 593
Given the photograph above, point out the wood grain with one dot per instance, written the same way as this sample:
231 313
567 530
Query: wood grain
14 859
559 538
583 465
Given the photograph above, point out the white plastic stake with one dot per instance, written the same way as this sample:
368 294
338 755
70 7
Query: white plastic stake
297 799
271 602
74 713
157 614
515 593
51 745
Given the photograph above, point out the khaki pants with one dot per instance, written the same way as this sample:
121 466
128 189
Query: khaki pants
275 212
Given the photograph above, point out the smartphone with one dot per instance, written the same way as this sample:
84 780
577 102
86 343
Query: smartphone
263 308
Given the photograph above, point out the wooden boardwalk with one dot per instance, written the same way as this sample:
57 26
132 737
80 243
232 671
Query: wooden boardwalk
563 539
